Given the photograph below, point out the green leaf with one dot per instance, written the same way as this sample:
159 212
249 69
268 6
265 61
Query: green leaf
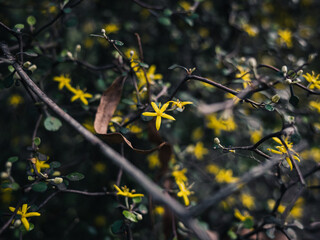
37 141
55 164
39 187
248 223
116 227
294 100
164 21
30 54
176 66
232 234
137 199
118 43
189 21
11 68
13 159
144 65
269 107
67 10
19 26
143 209
31 20
15 186
75 176
167 12
52 124
130 216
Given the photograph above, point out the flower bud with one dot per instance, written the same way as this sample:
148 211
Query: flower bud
275 98
4 175
30 178
288 81
27 64
299 73
56 173
69 54
78 48
17 223
103 31
139 216
131 53
8 164
32 68
58 180
312 57
284 69
216 140
252 62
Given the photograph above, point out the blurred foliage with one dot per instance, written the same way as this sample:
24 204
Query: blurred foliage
217 38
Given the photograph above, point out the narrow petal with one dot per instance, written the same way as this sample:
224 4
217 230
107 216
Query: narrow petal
289 162
274 151
32 214
296 158
87 95
164 107
12 209
25 223
75 97
158 122
277 140
24 208
164 115
155 107
149 114
84 100
117 188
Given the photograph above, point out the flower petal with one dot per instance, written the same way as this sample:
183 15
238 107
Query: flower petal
155 107
32 214
158 122
164 107
149 114
25 223
164 115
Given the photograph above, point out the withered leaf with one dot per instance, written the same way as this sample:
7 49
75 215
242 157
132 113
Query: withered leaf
119 138
108 105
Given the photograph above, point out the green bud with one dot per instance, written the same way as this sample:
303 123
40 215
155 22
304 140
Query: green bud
58 180
32 68
27 64
275 98
299 73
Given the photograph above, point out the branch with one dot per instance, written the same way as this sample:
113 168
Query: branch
153 189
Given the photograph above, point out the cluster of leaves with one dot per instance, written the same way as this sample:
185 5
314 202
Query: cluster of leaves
229 72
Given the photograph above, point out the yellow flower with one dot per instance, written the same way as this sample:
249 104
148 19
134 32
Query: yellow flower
197 134
184 193
285 37
153 160
88 124
314 81
256 135
247 200
126 192
242 217
212 168
226 124
179 105
282 150
244 75
271 204
64 81
200 151
315 105
150 75
250 30
41 165
225 176
234 98
228 203
179 175
297 210
112 28
24 215
158 113
185 5
135 129
79 94
313 153
159 210
100 167
15 100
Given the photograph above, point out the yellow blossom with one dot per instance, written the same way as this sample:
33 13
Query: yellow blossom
151 75
126 192
179 175
200 150
297 210
24 215
271 204
112 28
100 167
40 165
197 134
282 150
184 193
225 176
88 124
179 105
314 81
135 129
313 153
250 30
64 81
228 202
185 5
233 97
212 168
244 74
285 37
242 217
159 210
15 100
159 113
315 105
247 200
220 124
256 135
79 94
153 160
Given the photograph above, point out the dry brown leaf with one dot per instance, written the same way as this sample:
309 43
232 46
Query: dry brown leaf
108 105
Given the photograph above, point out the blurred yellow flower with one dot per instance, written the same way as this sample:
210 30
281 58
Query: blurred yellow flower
79 94
256 135
200 150
212 168
159 210
225 176
271 204
285 37
244 74
99 167
313 153
64 81
184 193
153 160
242 217
220 124
179 175
247 200
250 30
151 75
112 28
314 81
15 100
315 105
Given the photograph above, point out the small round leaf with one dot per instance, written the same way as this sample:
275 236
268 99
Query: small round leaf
75 176
52 124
